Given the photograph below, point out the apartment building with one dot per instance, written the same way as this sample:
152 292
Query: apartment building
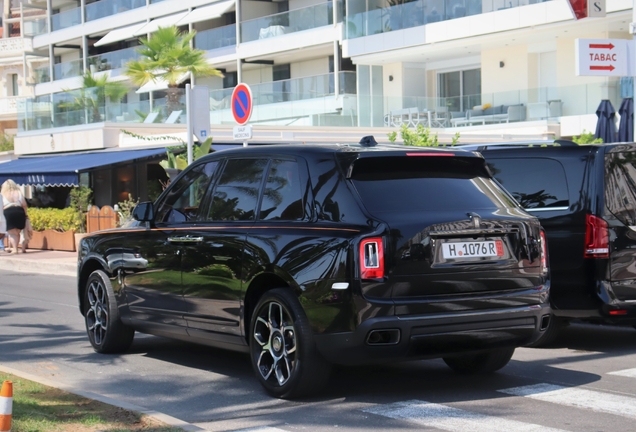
324 70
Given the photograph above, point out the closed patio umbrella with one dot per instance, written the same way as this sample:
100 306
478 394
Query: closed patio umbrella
626 125
605 127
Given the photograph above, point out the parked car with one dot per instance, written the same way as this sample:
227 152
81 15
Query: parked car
306 256
585 198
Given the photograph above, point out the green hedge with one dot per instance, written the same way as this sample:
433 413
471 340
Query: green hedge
54 219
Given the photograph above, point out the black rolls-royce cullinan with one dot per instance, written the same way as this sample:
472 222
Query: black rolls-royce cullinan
306 256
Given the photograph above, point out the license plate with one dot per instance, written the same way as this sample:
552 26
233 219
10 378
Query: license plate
476 249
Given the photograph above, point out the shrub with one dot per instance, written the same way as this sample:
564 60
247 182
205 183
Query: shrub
420 137
587 138
54 219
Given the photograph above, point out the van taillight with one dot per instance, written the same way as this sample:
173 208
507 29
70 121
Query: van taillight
544 253
596 238
371 258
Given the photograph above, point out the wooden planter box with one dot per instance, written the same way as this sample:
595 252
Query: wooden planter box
53 240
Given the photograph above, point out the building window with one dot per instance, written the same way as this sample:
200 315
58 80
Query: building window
460 90
12 81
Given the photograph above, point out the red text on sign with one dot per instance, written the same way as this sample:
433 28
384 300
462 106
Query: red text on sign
602 57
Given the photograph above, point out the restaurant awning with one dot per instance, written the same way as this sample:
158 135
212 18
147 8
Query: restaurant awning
204 13
64 169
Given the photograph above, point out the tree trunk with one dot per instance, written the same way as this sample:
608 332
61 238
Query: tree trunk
173 94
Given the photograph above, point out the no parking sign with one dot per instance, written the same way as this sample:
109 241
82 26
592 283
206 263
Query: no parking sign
242 103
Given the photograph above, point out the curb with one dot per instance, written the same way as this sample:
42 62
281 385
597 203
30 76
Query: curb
165 418
49 267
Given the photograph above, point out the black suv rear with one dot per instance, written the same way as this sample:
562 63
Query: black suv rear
309 255
585 198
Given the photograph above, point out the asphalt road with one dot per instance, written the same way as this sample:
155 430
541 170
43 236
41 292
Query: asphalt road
586 381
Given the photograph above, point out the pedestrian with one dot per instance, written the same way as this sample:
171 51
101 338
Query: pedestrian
15 212
3 229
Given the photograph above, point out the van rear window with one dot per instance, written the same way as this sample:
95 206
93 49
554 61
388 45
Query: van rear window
402 184
536 183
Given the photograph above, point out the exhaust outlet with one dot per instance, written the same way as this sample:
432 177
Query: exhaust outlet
545 322
383 337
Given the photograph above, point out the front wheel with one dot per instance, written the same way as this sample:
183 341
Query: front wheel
487 362
106 332
282 349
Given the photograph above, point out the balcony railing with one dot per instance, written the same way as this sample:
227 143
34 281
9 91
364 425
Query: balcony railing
14 46
66 19
9 105
112 60
104 8
288 90
42 74
216 38
287 22
420 12
80 107
67 69
35 27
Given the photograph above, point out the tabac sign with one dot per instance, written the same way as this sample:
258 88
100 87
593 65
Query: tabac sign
604 57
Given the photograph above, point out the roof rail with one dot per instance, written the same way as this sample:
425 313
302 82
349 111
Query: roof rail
512 144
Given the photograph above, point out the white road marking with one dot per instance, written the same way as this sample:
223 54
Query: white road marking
577 397
631 373
451 419
261 429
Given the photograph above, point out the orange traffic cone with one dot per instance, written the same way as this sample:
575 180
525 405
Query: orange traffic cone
6 406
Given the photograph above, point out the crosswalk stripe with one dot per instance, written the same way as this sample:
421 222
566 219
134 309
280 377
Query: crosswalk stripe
576 397
631 373
261 429
451 419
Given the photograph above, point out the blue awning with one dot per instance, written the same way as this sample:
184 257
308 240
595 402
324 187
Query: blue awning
64 169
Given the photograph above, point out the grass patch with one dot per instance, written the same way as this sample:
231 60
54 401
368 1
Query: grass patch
38 408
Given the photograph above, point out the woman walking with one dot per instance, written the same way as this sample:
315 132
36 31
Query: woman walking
15 207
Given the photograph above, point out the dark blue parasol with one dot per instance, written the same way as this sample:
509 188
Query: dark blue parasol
626 126
605 127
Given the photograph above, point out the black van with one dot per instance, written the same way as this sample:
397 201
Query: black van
585 198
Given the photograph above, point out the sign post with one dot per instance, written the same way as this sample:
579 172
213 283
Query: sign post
198 118
241 104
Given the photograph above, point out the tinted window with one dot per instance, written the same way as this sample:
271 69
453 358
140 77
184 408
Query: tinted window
236 193
534 182
183 200
282 197
620 186
426 183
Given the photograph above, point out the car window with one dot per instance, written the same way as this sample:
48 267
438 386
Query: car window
536 183
404 184
620 186
236 192
182 202
282 196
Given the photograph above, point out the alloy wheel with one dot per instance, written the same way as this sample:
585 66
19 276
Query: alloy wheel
274 332
97 314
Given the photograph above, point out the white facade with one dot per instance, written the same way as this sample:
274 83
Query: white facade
424 61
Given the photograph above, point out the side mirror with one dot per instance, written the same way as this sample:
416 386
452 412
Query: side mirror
144 212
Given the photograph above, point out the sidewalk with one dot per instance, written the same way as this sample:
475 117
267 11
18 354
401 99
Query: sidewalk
55 263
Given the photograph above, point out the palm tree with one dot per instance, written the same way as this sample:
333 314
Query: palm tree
94 92
167 55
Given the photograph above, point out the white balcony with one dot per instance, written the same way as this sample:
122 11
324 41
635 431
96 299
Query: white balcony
14 47
9 107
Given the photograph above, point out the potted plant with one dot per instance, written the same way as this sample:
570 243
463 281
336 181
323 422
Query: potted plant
53 229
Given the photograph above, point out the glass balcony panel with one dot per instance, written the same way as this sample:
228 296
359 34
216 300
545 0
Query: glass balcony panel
287 22
104 8
112 60
420 12
216 38
36 27
66 19
67 69
42 74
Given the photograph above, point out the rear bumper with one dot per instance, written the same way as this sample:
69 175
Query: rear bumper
436 336
603 306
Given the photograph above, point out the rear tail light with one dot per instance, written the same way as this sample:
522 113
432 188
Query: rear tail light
544 253
596 238
618 312
371 258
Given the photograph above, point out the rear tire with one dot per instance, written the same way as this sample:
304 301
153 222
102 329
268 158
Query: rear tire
486 362
550 334
282 348
106 332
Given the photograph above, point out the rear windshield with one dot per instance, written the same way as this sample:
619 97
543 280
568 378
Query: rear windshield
536 183
402 184
620 186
